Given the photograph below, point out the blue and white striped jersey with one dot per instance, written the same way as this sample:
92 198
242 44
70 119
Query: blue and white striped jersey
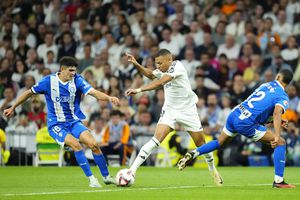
62 98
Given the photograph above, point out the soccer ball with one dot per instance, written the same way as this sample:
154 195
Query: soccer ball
125 177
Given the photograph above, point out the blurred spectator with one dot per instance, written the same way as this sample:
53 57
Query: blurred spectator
116 136
50 63
9 98
282 27
22 48
230 48
20 70
143 129
87 60
268 37
36 113
190 63
49 45
291 53
68 46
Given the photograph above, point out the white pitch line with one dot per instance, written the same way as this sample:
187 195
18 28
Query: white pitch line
137 189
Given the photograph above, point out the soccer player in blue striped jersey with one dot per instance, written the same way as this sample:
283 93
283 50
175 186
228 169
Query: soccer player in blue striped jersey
268 101
63 91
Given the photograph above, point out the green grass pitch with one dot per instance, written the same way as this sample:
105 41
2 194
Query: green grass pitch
151 183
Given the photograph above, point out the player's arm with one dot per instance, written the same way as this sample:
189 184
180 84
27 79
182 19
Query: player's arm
277 123
103 97
145 71
20 100
151 86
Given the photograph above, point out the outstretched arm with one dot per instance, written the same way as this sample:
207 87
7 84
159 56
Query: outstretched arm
145 71
103 97
26 95
151 86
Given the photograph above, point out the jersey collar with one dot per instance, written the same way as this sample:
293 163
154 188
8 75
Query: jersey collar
64 83
279 84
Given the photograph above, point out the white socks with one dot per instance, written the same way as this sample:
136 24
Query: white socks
278 179
145 151
209 157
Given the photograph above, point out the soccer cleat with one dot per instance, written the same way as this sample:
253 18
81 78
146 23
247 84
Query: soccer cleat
109 180
217 177
94 183
188 157
282 185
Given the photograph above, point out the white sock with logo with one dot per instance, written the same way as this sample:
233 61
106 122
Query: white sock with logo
145 151
209 158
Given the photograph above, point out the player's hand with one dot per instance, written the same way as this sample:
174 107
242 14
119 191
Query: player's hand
132 92
274 143
114 100
8 112
284 123
131 59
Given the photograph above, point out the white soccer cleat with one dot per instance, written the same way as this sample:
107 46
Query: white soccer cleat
109 180
217 177
185 160
94 183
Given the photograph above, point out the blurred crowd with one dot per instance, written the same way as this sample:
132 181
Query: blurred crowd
228 47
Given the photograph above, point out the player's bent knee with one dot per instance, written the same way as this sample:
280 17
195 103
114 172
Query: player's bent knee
75 146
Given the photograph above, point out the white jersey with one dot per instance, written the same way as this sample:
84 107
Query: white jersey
178 92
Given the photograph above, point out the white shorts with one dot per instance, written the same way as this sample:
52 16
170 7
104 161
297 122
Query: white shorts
188 118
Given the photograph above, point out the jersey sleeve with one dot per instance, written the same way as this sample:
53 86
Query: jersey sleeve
41 87
282 102
174 70
83 85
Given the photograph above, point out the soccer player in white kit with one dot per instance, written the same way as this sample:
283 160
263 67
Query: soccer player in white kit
179 106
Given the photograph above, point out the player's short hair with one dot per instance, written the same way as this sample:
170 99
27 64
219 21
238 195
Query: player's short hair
287 75
163 52
68 61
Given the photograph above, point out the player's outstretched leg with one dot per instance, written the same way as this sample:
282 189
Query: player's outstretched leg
144 153
204 149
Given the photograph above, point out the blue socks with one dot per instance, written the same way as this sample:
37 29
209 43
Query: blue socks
279 160
83 162
100 161
208 147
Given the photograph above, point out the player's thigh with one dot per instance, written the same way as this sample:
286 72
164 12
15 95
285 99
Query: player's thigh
77 128
269 137
189 119
162 130
224 138
71 141
58 132
198 137
87 139
167 117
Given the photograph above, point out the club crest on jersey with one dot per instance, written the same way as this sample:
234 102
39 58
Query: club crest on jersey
285 102
171 70
72 90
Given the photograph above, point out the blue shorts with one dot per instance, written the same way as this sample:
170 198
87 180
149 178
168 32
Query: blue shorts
59 131
244 127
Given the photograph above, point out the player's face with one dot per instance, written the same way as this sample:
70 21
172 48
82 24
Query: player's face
163 62
68 72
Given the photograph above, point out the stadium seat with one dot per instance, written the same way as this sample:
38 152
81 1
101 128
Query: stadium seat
48 151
